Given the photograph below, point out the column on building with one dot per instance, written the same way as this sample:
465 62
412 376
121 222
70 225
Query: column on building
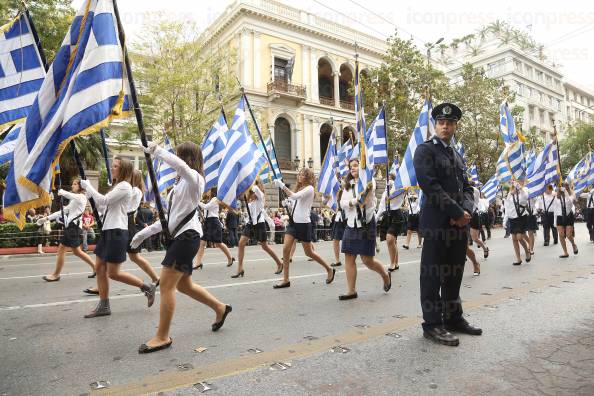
257 56
313 75
316 124
305 78
307 139
336 76
246 61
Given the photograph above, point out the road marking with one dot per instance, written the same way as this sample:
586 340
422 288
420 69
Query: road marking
211 287
170 381
131 269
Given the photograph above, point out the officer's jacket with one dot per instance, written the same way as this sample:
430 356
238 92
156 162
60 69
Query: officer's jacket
447 192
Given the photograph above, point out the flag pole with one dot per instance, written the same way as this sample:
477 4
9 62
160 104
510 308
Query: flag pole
387 162
558 153
140 123
105 156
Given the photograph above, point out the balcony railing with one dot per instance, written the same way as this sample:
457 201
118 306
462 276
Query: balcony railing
281 87
347 105
327 101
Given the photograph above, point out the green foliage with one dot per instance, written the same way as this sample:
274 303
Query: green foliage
177 78
52 19
11 236
574 145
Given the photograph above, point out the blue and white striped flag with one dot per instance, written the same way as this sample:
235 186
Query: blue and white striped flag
490 188
242 161
213 149
8 144
510 165
424 129
266 175
460 149
166 175
395 165
536 179
344 154
507 126
84 89
327 182
21 70
473 175
530 158
367 161
584 175
377 138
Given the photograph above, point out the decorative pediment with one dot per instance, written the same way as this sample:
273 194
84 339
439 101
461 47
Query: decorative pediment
282 50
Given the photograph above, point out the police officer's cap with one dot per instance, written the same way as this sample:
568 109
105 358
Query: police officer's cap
446 111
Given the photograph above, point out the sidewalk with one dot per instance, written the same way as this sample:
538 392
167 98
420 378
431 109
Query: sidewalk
31 251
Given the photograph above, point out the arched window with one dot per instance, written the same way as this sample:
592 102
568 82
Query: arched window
325 82
325 133
282 141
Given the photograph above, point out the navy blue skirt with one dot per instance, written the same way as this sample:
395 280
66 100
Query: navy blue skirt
303 232
413 222
112 246
213 230
569 220
337 230
258 232
72 237
360 241
181 252
518 225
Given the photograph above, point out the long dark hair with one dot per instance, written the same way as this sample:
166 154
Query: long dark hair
310 179
349 177
125 172
192 155
137 180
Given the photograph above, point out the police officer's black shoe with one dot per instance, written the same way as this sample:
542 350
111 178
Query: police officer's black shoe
441 336
463 327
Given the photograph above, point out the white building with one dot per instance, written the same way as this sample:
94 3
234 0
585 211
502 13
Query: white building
579 103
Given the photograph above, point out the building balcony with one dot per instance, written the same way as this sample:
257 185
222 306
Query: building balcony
327 101
347 105
282 89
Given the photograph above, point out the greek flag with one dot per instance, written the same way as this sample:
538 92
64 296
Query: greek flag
473 173
536 179
84 89
460 149
395 165
344 154
266 175
242 161
327 182
166 175
330 202
213 149
377 138
530 158
367 161
510 165
8 144
424 128
490 188
507 126
584 175
21 70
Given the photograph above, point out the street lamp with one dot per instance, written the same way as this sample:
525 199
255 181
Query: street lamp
310 163
296 162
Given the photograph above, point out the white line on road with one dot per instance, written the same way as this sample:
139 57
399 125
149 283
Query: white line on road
236 284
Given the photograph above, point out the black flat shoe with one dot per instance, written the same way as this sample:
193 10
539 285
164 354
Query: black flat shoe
338 264
394 269
282 285
564 256
575 250
441 336
199 266
389 285
45 278
94 274
147 349
464 327
88 290
278 272
486 253
231 262
239 274
218 325
517 263
344 297
404 246
328 281
528 258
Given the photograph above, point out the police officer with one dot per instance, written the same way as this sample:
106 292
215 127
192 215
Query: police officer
445 211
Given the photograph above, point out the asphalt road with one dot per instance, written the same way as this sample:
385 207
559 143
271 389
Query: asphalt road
537 320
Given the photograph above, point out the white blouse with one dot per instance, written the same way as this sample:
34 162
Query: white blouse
395 203
116 205
510 208
256 207
589 199
211 208
483 206
75 208
184 197
349 197
135 200
304 199
546 203
569 206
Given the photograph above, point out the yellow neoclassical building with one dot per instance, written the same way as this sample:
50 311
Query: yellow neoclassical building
296 68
